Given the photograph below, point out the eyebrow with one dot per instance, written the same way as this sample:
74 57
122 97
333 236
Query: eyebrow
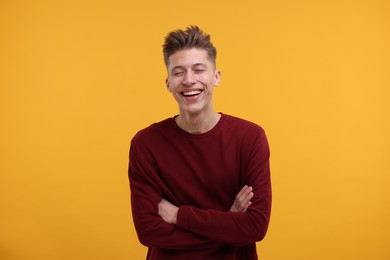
199 64
194 65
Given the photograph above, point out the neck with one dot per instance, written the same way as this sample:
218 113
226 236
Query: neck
197 123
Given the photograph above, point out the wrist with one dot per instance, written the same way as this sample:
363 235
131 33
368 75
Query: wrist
174 216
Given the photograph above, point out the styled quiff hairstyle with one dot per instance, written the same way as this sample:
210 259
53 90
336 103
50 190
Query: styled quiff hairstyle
192 37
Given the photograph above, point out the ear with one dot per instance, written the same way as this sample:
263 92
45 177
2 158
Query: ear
167 83
217 77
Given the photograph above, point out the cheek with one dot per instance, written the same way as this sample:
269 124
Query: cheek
174 82
206 80
171 85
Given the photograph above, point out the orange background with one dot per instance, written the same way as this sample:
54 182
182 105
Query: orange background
79 78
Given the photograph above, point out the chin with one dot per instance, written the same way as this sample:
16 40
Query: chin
192 110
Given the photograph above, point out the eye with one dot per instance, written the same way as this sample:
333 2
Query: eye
178 73
199 70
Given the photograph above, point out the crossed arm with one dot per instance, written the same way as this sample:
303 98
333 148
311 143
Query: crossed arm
168 211
159 223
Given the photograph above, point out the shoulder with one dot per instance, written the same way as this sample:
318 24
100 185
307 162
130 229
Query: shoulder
246 132
153 131
251 136
240 125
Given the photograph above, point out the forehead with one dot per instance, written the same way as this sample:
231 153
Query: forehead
188 58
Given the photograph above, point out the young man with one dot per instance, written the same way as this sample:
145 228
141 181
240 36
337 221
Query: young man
200 181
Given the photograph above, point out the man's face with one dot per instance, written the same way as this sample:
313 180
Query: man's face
191 79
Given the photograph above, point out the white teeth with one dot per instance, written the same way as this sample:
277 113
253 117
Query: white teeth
191 93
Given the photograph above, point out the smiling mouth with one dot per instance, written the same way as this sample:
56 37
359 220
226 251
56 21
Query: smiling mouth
191 93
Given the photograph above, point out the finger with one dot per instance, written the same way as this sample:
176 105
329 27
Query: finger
246 189
245 201
246 208
247 197
245 205
237 204
243 197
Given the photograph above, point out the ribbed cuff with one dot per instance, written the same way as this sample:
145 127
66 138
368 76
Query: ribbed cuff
183 217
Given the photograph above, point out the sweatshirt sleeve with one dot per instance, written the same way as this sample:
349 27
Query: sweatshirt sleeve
238 227
151 229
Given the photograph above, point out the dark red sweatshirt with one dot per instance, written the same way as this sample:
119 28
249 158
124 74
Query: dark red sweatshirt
201 174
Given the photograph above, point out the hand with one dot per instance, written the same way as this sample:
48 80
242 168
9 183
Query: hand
168 211
243 200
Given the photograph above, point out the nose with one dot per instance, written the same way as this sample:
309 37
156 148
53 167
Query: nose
189 79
